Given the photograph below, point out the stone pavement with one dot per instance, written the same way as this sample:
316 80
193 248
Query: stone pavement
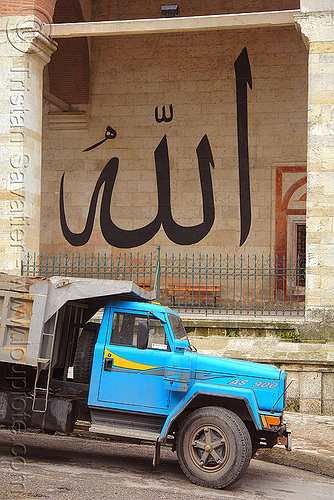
312 444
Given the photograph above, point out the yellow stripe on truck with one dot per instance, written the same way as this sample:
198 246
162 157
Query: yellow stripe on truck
120 362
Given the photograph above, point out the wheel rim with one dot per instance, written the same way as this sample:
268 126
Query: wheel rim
209 448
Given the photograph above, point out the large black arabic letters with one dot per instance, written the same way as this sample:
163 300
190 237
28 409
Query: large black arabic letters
243 77
123 238
164 118
109 134
180 234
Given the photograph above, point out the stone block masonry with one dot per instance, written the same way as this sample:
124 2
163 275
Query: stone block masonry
21 65
130 77
317 27
289 126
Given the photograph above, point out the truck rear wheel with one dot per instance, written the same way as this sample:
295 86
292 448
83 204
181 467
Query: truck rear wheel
83 358
213 447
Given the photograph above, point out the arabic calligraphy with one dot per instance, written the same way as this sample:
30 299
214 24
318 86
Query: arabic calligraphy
123 238
164 118
181 235
109 134
243 77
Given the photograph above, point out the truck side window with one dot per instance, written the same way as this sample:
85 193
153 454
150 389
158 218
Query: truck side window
157 336
124 328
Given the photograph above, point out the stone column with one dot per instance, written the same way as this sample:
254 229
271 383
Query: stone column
316 23
23 55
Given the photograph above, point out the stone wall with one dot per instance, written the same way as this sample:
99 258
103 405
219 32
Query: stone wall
21 78
130 77
316 23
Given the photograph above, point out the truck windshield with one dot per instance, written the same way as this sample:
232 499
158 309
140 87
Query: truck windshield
178 329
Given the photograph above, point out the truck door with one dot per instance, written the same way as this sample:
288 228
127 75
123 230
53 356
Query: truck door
131 376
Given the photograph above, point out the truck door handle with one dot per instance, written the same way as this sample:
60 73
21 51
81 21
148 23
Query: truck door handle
108 364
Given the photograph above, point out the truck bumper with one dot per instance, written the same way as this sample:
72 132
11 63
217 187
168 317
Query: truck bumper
285 437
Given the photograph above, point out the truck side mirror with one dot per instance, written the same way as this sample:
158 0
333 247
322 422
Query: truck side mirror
142 335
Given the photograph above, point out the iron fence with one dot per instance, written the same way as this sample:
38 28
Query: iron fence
196 283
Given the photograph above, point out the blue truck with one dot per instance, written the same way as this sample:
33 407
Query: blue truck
133 376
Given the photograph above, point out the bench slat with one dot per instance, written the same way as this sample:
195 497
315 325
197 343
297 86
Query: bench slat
182 290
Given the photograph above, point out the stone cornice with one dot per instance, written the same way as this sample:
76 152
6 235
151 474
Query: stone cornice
315 26
172 25
42 46
28 41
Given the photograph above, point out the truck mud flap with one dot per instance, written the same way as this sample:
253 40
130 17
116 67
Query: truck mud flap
285 437
16 413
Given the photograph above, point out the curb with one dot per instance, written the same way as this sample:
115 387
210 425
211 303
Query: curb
312 461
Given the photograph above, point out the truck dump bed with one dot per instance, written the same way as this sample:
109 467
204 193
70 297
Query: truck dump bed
32 310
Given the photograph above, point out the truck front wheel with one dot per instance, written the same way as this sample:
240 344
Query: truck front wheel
213 447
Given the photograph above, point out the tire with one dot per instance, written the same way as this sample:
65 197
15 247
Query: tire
83 358
227 442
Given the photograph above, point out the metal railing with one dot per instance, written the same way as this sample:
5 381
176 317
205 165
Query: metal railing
196 283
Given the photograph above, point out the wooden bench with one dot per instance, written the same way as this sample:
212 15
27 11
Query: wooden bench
146 286
182 293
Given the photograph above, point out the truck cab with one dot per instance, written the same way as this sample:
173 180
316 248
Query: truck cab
147 382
